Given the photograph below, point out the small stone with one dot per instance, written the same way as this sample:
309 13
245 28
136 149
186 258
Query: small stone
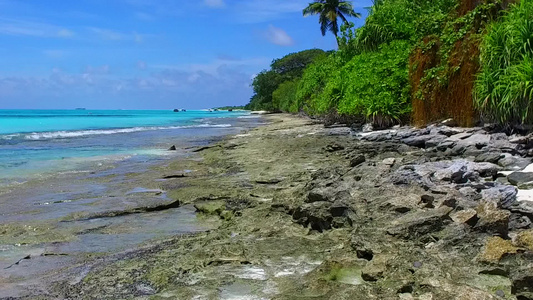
375 269
172 148
389 161
495 249
333 147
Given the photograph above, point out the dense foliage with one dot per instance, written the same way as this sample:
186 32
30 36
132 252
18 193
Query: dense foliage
504 89
288 68
415 60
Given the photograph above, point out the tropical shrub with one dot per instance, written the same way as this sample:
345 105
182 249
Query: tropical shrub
284 97
287 68
504 86
376 84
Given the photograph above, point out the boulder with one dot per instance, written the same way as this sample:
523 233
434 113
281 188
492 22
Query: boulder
402 204
467 216
454 173
172 148
491 157
416 141
477 140
492 219
523 180
375 269
323 215
435 140
514 163
523 284
416 224
517 222
503 195
459 136
495 249
524 239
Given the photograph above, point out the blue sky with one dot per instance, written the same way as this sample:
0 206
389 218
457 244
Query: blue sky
146 54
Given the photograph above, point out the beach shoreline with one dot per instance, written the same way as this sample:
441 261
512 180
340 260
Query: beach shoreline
300 210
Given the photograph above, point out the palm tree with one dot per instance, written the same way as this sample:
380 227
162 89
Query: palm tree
330 11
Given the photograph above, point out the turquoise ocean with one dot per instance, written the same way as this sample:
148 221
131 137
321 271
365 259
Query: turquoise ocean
36 143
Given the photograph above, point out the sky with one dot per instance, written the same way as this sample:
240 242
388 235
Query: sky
146 54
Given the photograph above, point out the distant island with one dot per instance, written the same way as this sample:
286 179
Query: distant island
231 108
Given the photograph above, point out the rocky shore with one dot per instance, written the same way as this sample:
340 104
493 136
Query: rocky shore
309 212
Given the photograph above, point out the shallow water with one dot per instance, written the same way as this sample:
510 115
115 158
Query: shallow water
36 143
60 218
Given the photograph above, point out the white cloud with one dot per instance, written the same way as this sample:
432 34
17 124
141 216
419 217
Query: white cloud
215 3
112 35
278 36
35 29
54 53
107 34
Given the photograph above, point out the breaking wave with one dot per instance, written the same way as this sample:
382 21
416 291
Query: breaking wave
82 133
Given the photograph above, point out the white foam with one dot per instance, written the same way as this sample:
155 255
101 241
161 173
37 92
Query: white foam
81 133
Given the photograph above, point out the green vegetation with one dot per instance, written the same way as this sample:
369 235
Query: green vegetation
288 68
236 107
413 61
504 88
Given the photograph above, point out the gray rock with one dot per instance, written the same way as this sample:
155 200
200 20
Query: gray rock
491 157
503 195
523 284
454 173
524 180
459 136
477 140
368 127
467 216
514 163
492 219
319 194
445 145
435 140
416 224
485 169
416 141
517 222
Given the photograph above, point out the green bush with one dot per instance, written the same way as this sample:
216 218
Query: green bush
284 97
376 84
314 80
504 86
408 20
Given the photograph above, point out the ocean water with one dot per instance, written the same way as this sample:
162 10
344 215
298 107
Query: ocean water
37 143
